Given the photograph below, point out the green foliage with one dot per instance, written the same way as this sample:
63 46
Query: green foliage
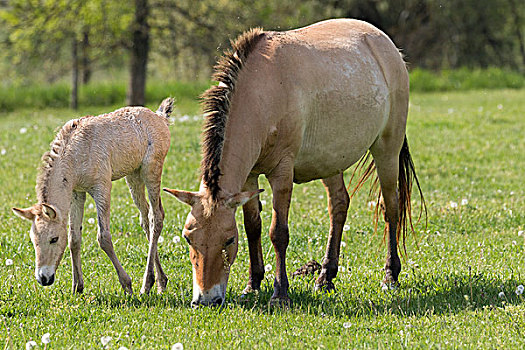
465 145
465 79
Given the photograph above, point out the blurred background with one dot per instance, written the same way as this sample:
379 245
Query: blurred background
102 52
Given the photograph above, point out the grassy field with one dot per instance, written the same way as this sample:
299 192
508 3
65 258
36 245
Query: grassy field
458 280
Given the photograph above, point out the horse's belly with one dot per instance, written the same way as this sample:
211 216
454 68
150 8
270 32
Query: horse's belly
337 132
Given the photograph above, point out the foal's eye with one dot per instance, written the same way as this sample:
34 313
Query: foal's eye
229 242
53 240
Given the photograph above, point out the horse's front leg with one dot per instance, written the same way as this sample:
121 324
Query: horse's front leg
75 238
102 196
252 225
338 202
281 181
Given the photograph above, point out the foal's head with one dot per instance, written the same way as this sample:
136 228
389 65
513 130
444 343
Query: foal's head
213 239
49 236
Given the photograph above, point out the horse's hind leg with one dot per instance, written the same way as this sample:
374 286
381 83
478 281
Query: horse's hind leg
252 224
152 175
387 166
338 202
136 187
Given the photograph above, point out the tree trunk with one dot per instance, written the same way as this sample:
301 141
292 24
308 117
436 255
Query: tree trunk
86 62
74 75
139 55
517 29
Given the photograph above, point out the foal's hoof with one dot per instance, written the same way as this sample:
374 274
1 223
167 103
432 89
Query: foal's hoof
126 285
281 302
161 285
326 287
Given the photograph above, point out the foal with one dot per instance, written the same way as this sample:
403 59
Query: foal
86 156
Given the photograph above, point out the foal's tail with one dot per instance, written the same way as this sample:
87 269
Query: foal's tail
166 107
407 176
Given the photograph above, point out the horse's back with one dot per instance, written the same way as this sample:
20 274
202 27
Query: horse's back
338 77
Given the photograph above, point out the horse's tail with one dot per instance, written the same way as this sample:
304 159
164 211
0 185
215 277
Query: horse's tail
166 107
407 176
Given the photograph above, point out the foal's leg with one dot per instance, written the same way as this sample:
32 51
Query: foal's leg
75 238
338 202
136 187
281 181
387 166
156 219
102 196
252 224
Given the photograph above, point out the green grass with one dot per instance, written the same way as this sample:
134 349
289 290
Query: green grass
466 145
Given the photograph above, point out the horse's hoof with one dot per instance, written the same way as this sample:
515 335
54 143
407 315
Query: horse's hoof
161 285
326 287
281 302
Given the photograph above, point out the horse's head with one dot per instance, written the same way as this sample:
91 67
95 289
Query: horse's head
49 236
213 239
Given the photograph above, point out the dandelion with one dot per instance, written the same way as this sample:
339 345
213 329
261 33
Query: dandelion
347 325
105 340
46 338
268 268
464 201
91 221
123 348
23 130
501 295
263 202
91 206
371 205
514 242
346 228
30 344
321 197
177 346
161 239
500 106
8 262
519 289
453 205
3 151
343 244
176 239
520 233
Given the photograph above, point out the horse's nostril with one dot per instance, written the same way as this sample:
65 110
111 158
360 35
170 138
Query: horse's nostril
45 281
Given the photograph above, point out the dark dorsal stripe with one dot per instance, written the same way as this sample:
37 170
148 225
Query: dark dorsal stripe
216 106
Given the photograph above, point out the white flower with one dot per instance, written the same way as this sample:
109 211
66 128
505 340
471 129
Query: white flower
464 201
123 348
343 244
23 130
520 233
46 338
184 118
450 110
8 262
161 239
384 287
519 289
501 295
453 205
371 205
346 228
500 106
30 344
91 221
321 197
91 206
268 268
3 151
341 269
105 340
347 325
177 346
263 202
514 242
176 239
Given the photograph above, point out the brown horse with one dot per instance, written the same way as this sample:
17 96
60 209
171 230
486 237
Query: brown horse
86 156
297 106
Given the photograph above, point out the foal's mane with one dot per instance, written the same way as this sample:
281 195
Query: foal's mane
51 157
216 106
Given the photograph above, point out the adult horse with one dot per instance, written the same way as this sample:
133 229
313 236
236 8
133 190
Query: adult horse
296 106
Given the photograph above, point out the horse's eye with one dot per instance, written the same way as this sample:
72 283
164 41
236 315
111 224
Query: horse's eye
229 242
53 240
187 239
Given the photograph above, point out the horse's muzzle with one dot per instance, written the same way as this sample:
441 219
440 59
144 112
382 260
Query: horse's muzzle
215 302
45 275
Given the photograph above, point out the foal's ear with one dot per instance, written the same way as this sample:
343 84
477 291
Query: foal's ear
184 196
49 211
241 198
26 213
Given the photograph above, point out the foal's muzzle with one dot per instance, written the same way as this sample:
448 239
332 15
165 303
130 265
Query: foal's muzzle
217 301
45 275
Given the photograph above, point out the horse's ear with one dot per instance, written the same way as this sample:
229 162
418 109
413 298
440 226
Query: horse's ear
26 213
184 196
49 211
241 198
